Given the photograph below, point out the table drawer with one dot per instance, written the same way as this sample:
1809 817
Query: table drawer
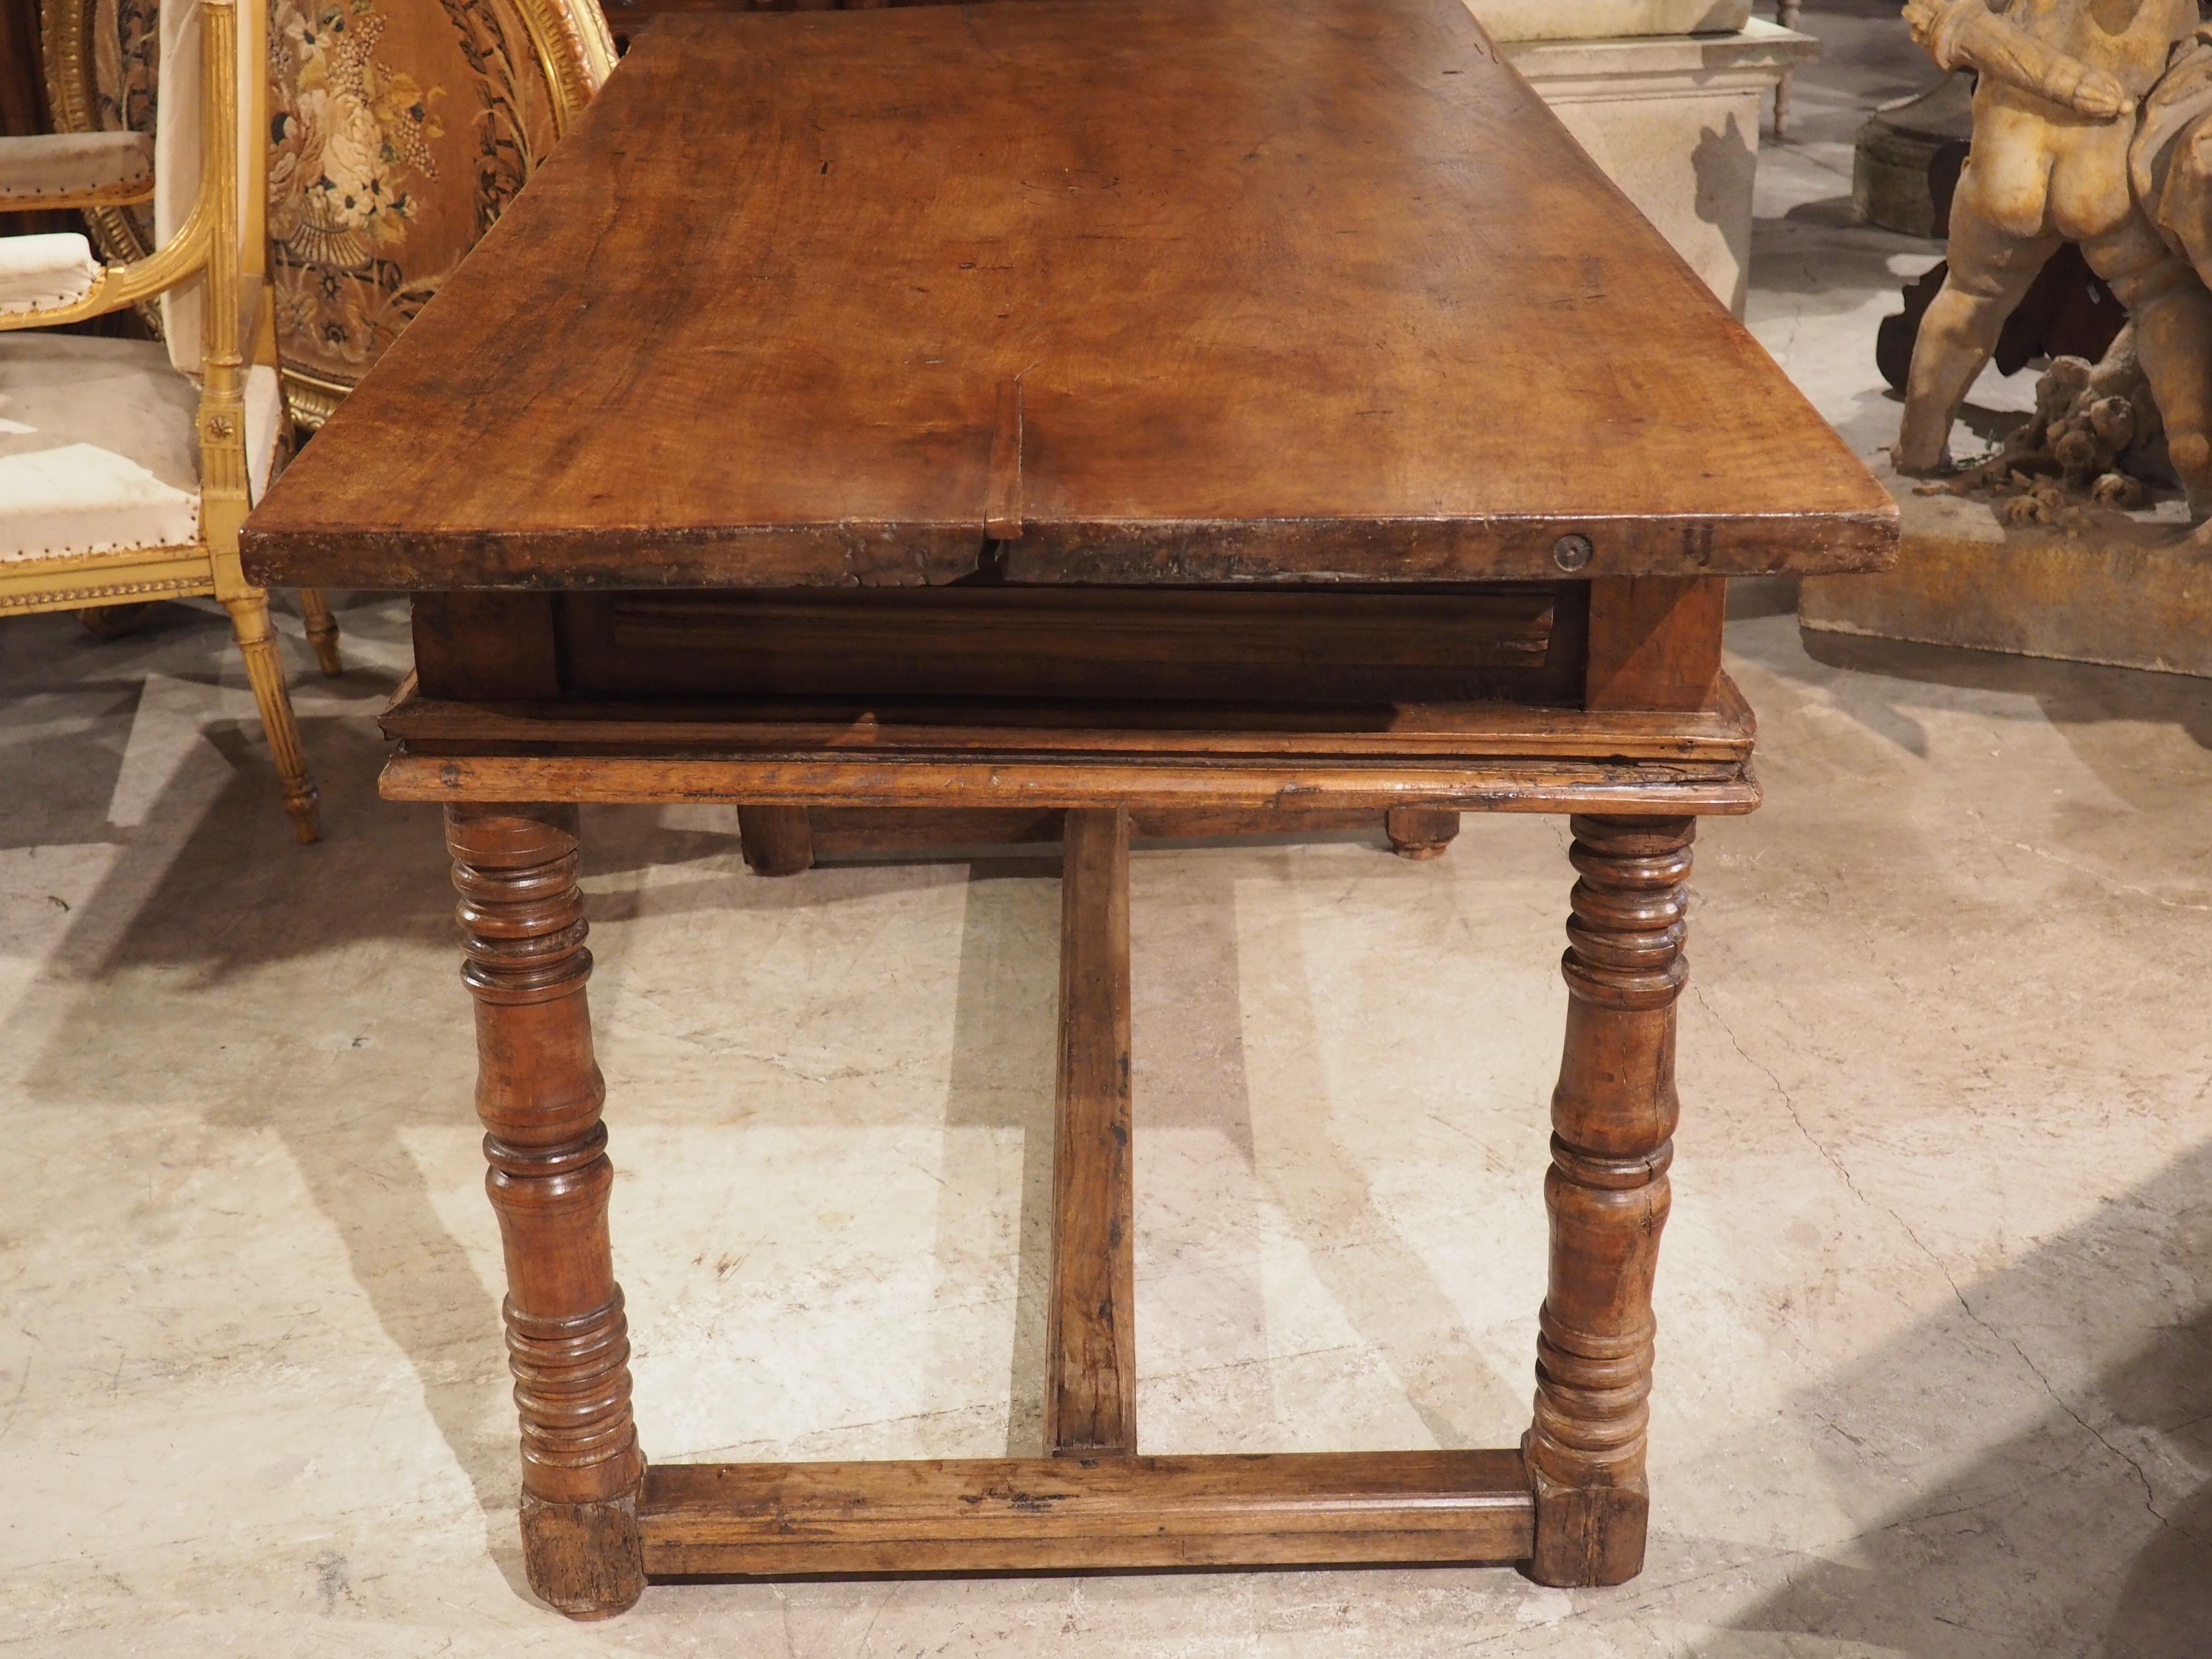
1296 646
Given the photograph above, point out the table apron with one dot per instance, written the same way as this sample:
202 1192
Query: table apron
1471 785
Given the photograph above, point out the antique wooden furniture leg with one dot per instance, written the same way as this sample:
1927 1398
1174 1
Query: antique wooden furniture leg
1421 832
1091 1345
776 840
322 628
264 671
1613 1117
539 1092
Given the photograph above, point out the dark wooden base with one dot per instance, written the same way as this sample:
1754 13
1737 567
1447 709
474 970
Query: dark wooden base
1417 833
777 841
583 1558
785 840
1588 1536
1063 1513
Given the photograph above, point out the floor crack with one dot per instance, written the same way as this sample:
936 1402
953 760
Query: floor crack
2150 1492
2103 878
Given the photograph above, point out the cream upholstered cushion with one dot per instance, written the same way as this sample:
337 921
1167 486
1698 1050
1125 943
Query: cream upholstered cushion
68 163
265 421
98 450
45 270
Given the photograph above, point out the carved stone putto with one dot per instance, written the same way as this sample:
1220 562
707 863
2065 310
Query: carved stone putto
2087 123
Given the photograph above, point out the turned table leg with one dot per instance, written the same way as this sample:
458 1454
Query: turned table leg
776 840
1421 832
1613 1117
322 625
539 1092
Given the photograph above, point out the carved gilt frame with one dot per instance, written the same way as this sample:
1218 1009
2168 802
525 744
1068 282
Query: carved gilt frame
569 41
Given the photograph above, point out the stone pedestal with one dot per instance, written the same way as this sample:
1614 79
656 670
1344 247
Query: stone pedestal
1674 119
1893 163
2130 591
1598 20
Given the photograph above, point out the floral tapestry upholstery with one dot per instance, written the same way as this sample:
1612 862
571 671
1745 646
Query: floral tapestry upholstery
113 87
398 131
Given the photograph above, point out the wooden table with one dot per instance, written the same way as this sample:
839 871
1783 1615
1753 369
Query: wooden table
1163 412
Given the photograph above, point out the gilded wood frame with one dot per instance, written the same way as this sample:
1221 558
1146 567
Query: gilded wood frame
570 45
210 244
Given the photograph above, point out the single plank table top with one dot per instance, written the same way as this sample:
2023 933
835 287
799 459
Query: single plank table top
1154 291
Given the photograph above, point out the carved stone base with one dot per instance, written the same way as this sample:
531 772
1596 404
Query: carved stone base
1674 121
2129 592
1893 161
1606 19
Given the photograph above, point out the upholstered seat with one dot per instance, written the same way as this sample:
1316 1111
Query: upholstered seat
101 165
98 452
393 135
54 270
126 467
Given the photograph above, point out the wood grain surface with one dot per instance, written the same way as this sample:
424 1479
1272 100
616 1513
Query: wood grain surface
1430 732
539 1094
1654 642
986 1515
1246 787
1302 645
1612 1120
1162 291
1090 1325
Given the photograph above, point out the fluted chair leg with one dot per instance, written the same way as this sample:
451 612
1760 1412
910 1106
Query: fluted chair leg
265 671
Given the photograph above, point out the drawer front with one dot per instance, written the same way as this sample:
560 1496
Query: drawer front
1509 642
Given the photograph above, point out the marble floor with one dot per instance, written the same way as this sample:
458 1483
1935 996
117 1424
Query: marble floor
1936 1363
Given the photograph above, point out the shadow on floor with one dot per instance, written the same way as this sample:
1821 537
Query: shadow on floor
2068 693
2088 1531
1190 1061
1004 1054
1297 1157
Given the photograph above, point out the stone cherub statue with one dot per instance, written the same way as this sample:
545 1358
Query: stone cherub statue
2090 127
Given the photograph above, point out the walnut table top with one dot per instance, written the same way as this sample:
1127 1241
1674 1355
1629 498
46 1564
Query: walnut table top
1184 291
